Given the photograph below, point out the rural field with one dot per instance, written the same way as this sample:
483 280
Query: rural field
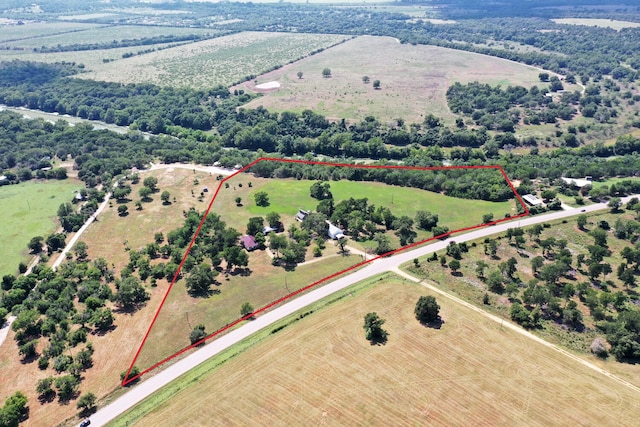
467 285
35 30
413 80
91 59
91 34
109 236
591 22
290 195
105 238
29 210
264 283
321 370
223 60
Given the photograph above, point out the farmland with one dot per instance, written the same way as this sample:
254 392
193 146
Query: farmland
74 34
181 311
29 210
11 33
216 61
591 22
413 80
468 284
320 369
290 195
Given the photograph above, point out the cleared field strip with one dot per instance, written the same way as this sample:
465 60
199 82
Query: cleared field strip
414 80
222 60
40 29
92 59
321 370
605 23
104 34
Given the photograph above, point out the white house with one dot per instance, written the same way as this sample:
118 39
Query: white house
577 182
334 232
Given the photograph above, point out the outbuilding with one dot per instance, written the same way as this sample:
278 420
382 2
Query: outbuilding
532 200
335 232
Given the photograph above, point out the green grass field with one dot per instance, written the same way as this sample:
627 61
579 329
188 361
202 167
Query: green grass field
290 195
606 23
29 209
608 182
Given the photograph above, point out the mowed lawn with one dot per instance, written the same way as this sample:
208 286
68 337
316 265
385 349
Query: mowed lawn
413 80
289 195
321 370
29 209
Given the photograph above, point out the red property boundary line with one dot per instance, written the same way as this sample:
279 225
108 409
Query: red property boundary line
128 380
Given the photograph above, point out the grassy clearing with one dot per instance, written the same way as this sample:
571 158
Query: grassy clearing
414 80
224 59
108 237
322 370
266 284
29 209
34 30
605 23
104 34
608 182
290 195
92 59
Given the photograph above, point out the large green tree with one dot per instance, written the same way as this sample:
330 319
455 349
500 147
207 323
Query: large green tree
130 293
200 280
427 309
373 328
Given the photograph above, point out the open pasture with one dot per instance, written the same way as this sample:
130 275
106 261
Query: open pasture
604 23
222 60
92 59
35 30
28 210
289 195
103 34
263 285
109 236
413 80
321 370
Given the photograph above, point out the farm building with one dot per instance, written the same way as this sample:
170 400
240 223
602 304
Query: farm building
268 229
577 182
301 215
335 232
248 242
532 200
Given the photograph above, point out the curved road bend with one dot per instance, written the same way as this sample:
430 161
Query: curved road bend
162 378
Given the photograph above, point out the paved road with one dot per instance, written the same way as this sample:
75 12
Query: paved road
152 384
